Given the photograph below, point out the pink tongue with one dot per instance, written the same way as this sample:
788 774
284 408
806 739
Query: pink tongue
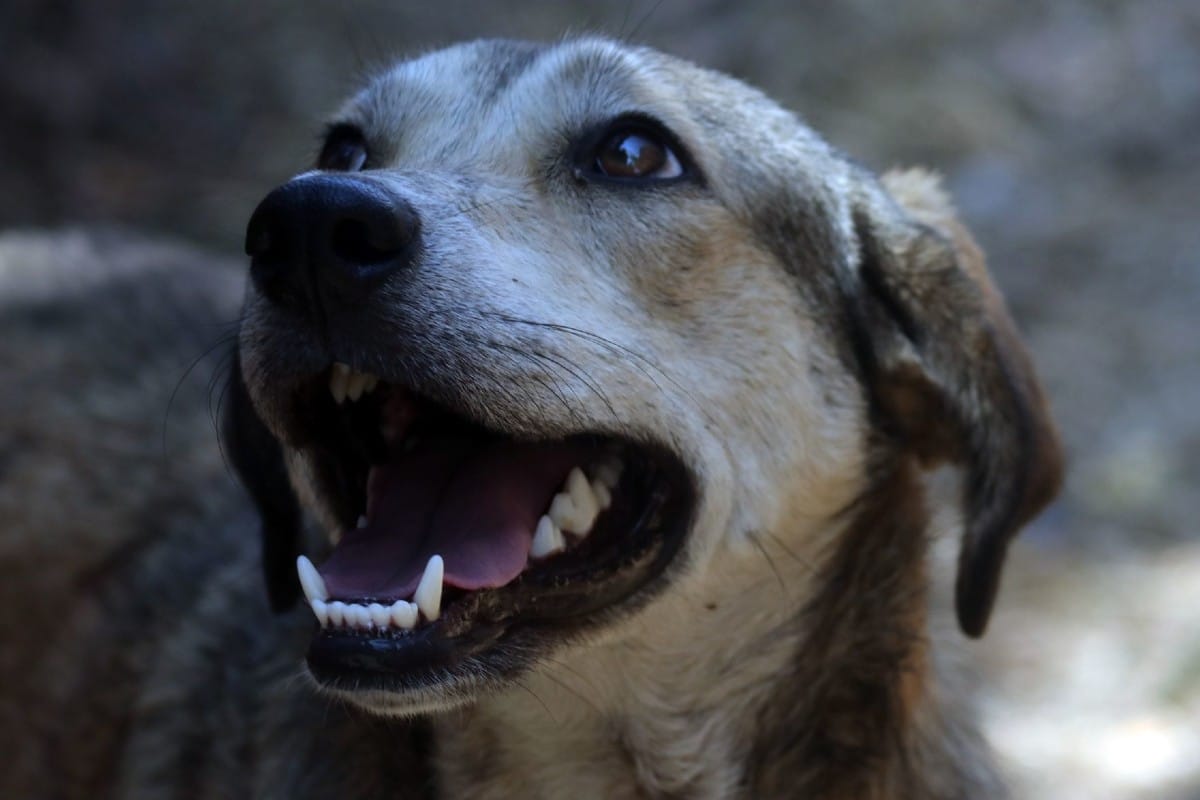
474 505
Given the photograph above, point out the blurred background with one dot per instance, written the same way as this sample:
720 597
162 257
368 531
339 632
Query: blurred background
1067 130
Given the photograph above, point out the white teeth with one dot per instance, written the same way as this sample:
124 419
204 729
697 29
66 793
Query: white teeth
361 616
603 495
362 521
608 472
548 539
562 510
355 385
400 614
404 614
381 615
310 580
360 383
429 591
345 383
585 500
575 508
339 379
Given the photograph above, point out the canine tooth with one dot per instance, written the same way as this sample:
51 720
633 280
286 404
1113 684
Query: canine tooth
310 580
339 378
547 540
321 610
337 613
381 615
404 614
429 591
603 495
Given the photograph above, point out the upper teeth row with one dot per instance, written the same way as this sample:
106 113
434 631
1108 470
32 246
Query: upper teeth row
574 510
344 383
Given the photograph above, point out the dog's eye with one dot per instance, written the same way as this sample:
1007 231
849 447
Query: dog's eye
345 149
633 149
637 154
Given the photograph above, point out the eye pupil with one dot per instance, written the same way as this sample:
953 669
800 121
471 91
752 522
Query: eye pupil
631 155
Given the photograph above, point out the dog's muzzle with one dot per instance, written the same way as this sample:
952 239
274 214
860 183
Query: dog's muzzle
467 546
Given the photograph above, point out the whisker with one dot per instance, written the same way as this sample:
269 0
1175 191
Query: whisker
770 562
639 360
224 339
541 702
804 562
603 341
577 372
536 358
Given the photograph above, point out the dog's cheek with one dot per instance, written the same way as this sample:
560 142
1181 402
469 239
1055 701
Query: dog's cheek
782 421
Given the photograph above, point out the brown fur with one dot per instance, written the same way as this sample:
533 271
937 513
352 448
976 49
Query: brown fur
866 671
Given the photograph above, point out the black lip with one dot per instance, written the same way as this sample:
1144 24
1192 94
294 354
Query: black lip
538 610
348 661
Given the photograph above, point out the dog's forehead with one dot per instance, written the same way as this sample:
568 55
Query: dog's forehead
491 94
457 83
497 107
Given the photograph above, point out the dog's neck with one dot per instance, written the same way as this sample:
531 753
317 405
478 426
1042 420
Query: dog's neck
804 669
670 716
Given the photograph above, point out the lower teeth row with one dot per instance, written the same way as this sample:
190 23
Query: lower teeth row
573 510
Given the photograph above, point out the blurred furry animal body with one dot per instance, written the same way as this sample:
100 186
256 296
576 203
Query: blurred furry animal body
522 273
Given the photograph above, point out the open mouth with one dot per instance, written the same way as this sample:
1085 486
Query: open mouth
459 539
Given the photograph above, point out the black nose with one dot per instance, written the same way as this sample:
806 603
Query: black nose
323 241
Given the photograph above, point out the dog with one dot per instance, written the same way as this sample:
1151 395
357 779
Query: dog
587 400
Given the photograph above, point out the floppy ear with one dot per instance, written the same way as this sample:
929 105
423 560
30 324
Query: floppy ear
948 375
258 460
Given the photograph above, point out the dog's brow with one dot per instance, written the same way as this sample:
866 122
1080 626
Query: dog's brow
503 61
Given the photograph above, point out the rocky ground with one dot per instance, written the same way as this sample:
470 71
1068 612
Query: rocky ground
1068 130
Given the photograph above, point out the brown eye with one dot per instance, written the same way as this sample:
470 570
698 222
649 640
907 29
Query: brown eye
636 154
345 150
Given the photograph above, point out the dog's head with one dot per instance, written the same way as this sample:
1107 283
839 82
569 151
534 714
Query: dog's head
550 329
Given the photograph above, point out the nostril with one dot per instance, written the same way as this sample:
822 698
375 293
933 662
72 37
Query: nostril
271 251
322 240
356 242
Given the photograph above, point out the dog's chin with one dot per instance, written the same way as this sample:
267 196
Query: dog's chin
520 571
